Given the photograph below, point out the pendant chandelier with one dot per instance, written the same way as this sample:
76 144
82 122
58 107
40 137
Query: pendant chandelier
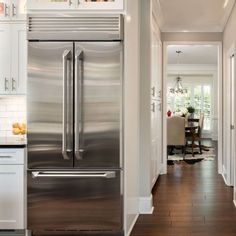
178 89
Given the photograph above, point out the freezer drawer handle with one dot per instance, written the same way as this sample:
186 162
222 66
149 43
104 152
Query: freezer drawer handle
78 107
70 174
66 57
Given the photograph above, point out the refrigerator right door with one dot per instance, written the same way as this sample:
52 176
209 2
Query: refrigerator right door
98 105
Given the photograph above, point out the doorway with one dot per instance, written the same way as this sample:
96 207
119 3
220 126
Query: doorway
201 82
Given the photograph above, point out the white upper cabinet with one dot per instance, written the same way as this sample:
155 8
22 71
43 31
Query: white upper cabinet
50 4
18 59
100 4
75 4
12 10
5 58
13 58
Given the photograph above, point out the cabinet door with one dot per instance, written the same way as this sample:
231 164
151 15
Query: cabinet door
5 10
100 4
50 4
5 61
18 10
11 197
18 59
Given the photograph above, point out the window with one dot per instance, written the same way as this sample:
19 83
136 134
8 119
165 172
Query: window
199 96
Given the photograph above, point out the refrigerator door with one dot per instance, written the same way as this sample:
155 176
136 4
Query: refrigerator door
98 105
75 202
50 109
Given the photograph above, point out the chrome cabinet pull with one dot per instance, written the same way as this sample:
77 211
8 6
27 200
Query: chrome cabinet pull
4 157
13 10
67 56
13 84
70 2
75 174
160 106
78 98
6 9
153 107
6 84
153 91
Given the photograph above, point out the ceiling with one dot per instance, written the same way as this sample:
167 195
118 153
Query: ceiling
193 54
194 15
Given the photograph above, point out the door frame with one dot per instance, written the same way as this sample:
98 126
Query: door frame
228 173
219 99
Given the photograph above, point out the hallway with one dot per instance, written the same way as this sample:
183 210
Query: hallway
192 200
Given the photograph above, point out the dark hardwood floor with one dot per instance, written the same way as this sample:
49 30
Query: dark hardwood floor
191 200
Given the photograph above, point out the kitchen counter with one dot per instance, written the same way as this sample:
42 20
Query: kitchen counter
13 142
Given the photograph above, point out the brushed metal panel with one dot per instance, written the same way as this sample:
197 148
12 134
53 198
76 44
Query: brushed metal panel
45 105
57 204
101 106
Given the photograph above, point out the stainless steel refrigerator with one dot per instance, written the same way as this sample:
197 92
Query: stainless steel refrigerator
74 103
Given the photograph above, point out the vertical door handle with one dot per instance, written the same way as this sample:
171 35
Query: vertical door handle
153 91
78 102
13 84
13 10
6 84
153 107
6 10
67 56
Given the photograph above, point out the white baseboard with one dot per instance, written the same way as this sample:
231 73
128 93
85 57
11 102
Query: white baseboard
146 205
132 225
225 179
234 202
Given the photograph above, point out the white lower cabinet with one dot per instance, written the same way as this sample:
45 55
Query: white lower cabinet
12 193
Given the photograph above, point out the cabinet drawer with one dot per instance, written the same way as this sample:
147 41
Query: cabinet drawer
12 156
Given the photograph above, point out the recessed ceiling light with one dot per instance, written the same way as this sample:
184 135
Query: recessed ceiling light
185 31
226 3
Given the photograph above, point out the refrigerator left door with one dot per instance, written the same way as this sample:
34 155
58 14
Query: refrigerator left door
50 105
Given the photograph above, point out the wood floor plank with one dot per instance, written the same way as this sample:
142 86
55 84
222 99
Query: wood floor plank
191 200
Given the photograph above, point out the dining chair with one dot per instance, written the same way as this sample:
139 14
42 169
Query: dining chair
196 136
176 133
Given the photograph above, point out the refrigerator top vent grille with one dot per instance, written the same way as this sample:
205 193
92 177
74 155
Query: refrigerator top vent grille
47 27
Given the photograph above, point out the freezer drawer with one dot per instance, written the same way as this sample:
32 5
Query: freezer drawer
74 201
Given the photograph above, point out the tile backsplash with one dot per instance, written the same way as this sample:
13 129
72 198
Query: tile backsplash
12 110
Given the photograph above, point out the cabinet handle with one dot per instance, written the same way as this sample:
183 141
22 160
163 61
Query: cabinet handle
160 106
78 2
13 10
70 2
13 84
153 107
153 91
3 157
6 10
6 84
7 173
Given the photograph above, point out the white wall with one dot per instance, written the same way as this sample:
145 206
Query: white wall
194 37
131 113
147 25
229 41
